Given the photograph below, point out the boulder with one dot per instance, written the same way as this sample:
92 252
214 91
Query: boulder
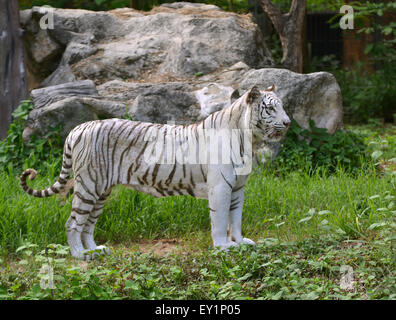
213 97
315 96
68 112
68 105
169 42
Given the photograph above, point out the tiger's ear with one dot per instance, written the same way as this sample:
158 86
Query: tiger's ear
272 88
253 95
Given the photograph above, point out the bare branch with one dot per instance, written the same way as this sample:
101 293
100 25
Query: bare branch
273 13
289 27
297 9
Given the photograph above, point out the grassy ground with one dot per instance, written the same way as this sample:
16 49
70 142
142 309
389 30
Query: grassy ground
310 228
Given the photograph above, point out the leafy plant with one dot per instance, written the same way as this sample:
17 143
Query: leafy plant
315 147
368 88
309 269
327 62
44 152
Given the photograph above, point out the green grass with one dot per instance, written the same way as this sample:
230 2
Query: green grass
291 207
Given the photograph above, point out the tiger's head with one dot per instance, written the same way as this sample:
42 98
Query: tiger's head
269 120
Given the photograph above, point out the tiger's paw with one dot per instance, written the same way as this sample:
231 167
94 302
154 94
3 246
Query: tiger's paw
248 241
103 250
226 245
88 255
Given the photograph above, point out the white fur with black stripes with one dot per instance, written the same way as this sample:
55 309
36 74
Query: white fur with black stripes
110 152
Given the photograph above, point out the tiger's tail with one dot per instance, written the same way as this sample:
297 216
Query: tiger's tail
58 185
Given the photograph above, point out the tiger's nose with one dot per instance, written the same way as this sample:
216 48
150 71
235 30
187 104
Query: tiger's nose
286 123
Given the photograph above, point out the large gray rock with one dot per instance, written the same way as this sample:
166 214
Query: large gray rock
68 113
169 42
315 96
214 97
68 105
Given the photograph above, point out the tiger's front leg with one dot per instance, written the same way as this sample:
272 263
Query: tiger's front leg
219 206
235 218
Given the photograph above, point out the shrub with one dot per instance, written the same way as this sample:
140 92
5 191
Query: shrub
44 152
369 89
365 95
314 148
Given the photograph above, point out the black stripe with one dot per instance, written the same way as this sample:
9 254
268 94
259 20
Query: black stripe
138 158
237 189
155 172
62 181
54 190
87 201
115 146
79 180
82 212
229 184
192 179
178 191
202 172
190 191
234 206
170 177
144 178
108 164
66 166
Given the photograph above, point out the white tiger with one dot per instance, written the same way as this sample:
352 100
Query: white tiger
106 153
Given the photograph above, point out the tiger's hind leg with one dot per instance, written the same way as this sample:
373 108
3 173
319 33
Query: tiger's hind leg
87 234
81 209
82 206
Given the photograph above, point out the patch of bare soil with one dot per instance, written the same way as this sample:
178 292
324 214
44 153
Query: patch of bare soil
387 166
159 247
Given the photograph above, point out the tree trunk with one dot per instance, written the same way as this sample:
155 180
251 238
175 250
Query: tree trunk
289 27
13 86
135 4
230 5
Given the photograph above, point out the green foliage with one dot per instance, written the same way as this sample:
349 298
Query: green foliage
368 95
312 5
316 148
44 152
310 269
327 62
369 89
382 55
275 47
